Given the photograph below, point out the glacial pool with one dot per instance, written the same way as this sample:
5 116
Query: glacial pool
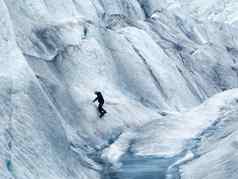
137 167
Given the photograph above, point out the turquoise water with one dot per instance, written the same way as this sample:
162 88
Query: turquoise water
134 167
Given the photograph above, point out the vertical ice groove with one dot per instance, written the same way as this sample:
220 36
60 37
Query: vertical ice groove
156 81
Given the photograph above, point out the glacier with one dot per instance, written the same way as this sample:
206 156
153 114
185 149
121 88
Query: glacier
168 70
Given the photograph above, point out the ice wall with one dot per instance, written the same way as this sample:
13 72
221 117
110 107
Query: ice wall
145 56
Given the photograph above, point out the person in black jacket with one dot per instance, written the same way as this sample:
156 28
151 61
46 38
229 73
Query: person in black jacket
100 100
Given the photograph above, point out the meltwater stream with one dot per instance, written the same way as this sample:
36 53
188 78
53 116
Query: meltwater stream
137 167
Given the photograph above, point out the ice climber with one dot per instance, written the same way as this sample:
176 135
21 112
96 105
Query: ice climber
100 100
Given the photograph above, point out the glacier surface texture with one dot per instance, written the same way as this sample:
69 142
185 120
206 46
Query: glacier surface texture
168 70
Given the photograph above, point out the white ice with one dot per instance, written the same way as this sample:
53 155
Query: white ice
155 61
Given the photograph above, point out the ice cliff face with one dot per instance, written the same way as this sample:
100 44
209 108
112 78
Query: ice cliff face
148 57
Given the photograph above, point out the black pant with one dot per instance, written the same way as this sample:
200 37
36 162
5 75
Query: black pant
101 110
